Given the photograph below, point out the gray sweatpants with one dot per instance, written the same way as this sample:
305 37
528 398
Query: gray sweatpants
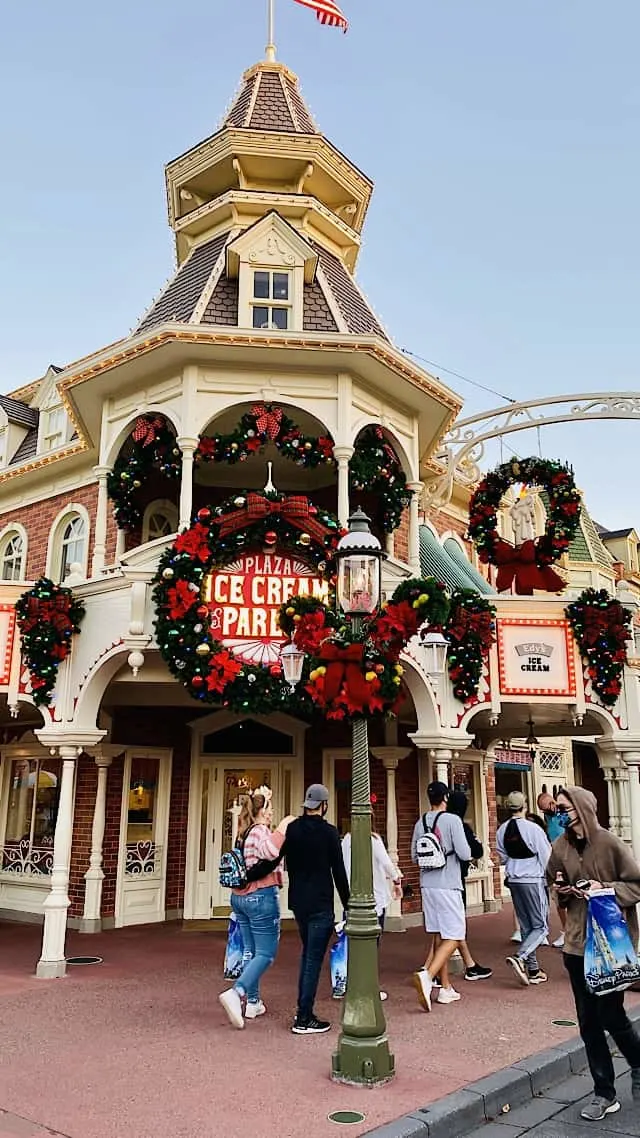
531 904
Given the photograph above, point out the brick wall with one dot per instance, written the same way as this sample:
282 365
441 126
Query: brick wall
39 517
408 799
111 844
401 538
86 787
443 522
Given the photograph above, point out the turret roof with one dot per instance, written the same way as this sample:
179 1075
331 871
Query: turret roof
270 99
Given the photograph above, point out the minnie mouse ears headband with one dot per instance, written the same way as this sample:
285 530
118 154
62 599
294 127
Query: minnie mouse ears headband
265 791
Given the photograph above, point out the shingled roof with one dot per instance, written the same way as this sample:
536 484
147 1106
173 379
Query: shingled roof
181 295
270 99
18 412
353 306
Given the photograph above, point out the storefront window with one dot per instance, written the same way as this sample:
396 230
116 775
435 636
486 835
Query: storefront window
142 851
236 783
31 816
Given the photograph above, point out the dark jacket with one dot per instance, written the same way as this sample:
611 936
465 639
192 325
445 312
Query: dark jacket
476 849
314 862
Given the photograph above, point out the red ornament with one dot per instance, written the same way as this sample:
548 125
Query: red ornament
373 799
275 670
202 612
204 514
197 682
270 537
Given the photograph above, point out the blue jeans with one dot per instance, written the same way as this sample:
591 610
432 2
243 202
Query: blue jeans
315 933
258 916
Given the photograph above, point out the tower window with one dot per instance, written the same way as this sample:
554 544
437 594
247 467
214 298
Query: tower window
271 300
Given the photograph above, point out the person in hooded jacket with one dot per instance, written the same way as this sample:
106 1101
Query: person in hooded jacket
589 853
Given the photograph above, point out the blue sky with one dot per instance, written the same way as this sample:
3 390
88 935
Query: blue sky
503 137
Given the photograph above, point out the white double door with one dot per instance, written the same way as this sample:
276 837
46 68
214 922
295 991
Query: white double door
216 787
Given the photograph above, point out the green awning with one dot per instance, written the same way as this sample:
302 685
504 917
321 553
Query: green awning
457 555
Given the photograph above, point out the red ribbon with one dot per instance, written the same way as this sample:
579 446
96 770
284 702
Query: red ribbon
144 430
295 509
344 665
518 563
268 420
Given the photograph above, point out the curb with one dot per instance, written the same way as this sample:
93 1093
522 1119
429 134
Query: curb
493 1095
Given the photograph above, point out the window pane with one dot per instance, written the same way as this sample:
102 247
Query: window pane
280 318
142 800
280 286
204 822
12 559
47 795
159 526
260 317
261 286
23 776
73 543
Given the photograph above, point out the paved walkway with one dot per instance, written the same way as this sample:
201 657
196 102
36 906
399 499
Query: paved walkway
138 1047
556 1114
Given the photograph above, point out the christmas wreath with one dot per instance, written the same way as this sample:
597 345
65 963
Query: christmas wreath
470 631
375 467
358 674
601 626
187 642
153 446
527 564
264 424
48 615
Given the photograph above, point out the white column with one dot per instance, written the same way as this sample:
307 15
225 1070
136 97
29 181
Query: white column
390 757
632 759
121 539
52 962
416 489
390 544
441 757
91 918
624 803
187 446
100 532
614 819
342 455
489 890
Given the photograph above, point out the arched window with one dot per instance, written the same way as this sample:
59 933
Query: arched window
73 545
12 557
160 519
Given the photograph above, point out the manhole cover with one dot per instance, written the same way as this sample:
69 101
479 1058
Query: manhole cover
84 960
564 1023
346 1116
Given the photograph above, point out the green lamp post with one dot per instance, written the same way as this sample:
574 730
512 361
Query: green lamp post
362 1054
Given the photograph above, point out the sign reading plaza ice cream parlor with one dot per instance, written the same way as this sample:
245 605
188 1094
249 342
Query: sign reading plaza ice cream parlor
536 657
245 596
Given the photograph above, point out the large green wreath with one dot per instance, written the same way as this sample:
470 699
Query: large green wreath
153 447
528 564
470 630
375 468
209 671
48 616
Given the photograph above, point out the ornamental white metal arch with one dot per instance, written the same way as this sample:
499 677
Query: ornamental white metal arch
462 449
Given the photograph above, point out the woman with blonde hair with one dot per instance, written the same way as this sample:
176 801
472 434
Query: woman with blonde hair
257 905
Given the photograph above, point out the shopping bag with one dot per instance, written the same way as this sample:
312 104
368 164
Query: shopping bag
338 965
610 960
234 951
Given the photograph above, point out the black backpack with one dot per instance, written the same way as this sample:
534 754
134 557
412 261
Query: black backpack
514 844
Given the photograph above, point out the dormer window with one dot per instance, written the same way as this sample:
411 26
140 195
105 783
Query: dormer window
271 306
54 428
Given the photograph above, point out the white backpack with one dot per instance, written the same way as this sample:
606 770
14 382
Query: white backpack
428 846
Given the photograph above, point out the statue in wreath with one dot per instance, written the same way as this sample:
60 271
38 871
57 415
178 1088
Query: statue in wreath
523 521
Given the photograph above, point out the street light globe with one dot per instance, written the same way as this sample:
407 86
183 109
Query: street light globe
434 648
292 660
359 556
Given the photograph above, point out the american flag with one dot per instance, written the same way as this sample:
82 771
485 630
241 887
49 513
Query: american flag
327 12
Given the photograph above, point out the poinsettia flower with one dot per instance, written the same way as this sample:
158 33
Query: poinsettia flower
181 598
206 448
224 669
195 542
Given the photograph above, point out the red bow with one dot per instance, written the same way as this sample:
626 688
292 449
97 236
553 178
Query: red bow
518 563
145 428
344 666
268 420
295 509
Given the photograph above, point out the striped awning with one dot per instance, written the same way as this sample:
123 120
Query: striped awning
454 570
456 554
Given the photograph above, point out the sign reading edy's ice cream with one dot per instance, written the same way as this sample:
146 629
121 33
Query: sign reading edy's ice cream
245 596
535 657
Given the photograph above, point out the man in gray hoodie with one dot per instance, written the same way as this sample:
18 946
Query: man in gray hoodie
441 889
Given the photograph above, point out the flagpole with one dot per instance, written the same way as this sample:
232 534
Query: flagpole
270 51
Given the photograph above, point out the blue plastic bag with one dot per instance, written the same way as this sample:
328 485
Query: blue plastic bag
338 966
234 953
610 960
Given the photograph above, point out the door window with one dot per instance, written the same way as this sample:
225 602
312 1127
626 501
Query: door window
143 855
31 816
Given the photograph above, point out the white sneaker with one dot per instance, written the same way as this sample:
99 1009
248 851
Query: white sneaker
383 996
545 943
423 984
253 1010
559 941
448 996
232 1005
517 937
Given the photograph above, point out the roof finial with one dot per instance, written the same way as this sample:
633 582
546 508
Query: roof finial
270 50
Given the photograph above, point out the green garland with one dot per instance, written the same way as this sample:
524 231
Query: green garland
265 424
470 631
375 468
48 616
601 626
154 447
194 656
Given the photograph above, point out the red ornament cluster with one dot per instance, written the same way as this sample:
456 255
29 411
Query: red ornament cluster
601 626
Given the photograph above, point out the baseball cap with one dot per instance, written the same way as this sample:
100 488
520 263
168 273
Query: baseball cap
315 796
437 791
516 800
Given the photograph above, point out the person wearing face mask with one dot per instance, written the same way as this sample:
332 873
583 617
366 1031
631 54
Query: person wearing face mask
594 858
314 863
